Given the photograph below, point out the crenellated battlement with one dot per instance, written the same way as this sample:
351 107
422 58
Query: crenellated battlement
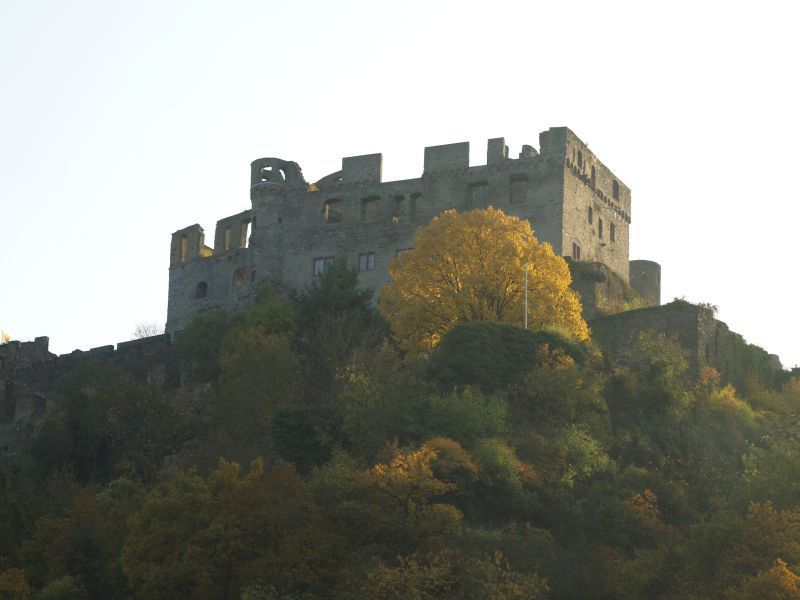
296 229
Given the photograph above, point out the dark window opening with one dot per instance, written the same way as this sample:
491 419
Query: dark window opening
576 251
370 209
366 261
600 228
519 189
594 175
240 277
322 265
253 275
612 232
615 189
201 291
478 195
580 159
280 220
330 214
412 205
591 215
399 209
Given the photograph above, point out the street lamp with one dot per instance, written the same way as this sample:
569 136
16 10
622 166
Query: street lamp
527 264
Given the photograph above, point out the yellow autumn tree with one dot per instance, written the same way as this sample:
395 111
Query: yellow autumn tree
471 267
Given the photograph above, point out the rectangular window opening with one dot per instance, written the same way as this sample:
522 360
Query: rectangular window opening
366 261
519 189
227 238
239 277
370 209
322 265
478 195
612 232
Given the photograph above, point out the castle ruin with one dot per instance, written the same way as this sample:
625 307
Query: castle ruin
294 230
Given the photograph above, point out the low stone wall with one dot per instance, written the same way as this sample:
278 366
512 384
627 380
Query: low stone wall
707 341
30 375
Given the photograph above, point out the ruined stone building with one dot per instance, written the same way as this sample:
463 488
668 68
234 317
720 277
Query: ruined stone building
294 231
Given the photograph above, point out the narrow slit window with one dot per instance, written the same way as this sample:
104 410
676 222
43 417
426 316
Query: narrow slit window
615 189
184 248
591 215
228 237
612 232
600 228
576 251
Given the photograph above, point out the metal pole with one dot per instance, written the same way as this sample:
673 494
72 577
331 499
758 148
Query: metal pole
526 295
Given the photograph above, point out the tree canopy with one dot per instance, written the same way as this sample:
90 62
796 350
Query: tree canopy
471 267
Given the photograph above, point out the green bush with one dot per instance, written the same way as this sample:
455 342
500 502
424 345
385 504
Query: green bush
493 355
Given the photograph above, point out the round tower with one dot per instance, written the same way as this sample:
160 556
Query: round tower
646 280
271 181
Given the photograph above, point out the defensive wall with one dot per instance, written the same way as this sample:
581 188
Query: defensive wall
294 230
706 340
29 374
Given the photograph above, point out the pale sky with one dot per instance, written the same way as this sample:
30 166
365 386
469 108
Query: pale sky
123 122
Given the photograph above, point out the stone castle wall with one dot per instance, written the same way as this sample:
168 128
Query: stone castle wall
30 374
707 341
353 215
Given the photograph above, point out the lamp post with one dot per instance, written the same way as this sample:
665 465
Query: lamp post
527 264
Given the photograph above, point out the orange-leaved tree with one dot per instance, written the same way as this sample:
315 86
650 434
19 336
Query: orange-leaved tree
471 267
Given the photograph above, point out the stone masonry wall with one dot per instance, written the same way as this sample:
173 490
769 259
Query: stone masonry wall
353 215
30 375
707 341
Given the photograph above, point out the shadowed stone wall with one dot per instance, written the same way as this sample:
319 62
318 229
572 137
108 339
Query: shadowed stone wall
570 198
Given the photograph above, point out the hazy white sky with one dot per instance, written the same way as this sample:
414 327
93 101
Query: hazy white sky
123 122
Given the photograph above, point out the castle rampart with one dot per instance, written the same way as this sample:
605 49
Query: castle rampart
297 229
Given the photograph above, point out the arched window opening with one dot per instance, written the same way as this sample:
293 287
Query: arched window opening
580 159
201 291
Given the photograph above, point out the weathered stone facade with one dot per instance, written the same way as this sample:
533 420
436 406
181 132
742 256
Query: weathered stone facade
293 229
30 373
707 341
